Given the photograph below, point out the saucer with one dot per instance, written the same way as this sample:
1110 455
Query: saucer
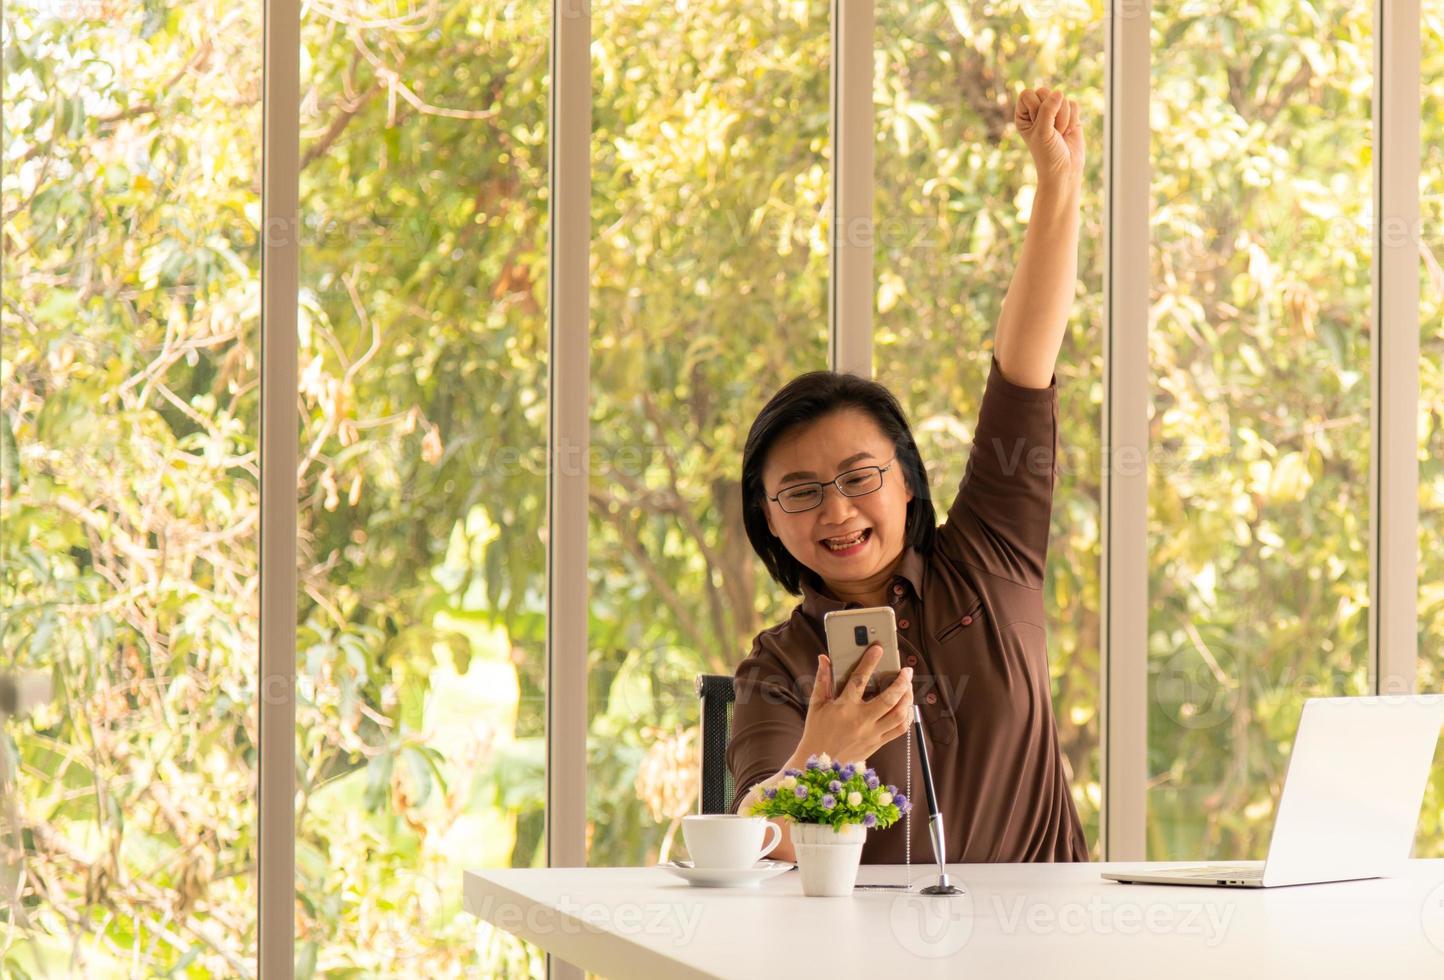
727 877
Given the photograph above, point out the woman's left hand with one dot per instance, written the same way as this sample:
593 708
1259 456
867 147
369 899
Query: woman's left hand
1049 124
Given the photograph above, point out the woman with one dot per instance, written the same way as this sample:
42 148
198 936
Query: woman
968 595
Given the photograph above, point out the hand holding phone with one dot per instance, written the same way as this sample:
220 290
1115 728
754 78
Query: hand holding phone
844 724
840 720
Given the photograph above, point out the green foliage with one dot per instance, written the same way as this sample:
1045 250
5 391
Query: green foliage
1259 431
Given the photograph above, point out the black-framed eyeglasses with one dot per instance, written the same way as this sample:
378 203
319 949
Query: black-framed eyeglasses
854 483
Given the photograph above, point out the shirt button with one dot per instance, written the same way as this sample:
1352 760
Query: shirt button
897 590
912 660
902 624
967 621
932 698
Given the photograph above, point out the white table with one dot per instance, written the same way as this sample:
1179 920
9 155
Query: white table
1024 920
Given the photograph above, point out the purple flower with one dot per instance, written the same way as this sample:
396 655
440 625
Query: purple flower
828 802
800 791
770 793
792 772
892 789
836 766
903 805
870 774
848 772
835 786
812 763
871 782
869 820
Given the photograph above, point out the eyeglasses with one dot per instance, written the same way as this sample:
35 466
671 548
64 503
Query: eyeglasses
853 483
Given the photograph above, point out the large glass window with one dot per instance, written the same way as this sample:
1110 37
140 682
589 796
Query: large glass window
1427 237
423 366
711 166
954 186
1259 347
128 482
129 396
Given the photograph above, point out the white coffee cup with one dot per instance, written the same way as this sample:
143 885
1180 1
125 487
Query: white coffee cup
728 840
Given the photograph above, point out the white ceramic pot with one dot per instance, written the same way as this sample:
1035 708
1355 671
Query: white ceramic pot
828 858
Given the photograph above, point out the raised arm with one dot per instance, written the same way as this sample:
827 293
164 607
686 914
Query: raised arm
1039 300
999 521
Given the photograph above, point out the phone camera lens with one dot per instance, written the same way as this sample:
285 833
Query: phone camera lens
859 635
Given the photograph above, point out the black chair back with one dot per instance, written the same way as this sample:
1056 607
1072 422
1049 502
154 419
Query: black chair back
716 695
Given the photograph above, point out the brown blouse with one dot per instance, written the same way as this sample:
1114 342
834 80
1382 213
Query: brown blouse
971 624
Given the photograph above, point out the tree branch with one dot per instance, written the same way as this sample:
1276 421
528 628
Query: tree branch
338 126
627 535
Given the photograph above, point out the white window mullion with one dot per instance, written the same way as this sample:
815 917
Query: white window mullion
850 291
1125 411
1394 496
280 270
569 352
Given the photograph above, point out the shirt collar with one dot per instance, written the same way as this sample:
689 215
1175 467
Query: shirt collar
816 602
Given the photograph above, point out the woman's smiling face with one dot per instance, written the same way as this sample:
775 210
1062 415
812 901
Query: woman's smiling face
819 451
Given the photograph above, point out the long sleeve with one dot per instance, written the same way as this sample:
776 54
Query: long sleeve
767 717
999 520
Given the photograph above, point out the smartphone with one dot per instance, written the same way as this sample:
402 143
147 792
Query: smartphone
850 632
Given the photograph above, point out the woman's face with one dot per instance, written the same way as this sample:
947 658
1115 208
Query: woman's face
819 451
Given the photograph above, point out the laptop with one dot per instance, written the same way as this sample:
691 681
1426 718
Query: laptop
1351 797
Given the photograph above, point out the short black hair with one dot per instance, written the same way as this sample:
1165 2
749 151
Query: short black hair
807 398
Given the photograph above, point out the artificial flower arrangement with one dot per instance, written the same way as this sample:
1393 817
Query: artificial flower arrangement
830 806
832 793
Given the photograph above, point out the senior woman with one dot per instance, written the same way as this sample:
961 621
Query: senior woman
836 505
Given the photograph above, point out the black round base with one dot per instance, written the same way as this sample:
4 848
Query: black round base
942 890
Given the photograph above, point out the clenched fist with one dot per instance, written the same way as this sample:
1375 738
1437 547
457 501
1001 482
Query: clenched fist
1049 123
